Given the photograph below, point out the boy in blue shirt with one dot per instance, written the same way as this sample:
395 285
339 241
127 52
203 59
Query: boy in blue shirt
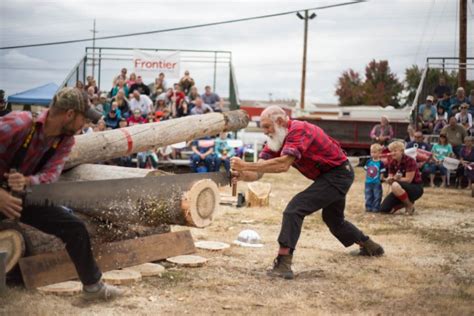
373 184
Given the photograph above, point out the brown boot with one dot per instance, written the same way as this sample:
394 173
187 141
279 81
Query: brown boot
370 248
282 267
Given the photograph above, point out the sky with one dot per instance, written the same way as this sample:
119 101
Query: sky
266 53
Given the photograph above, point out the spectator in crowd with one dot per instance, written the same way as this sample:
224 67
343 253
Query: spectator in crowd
203 152
80 85
213 99
223 152
471 102
3 104
419 143
86 128
161 76
457 100
200 107
410 133
373 179
440 151
163 110
96 103
91 82
131 81
167 97
120 85
442 88
140 86
193 94
122 104
180 109
179 95
90 93
427 115
151 117
464 117
123 122
404 179
141 102
383 132
186 83
157 89
100 127
466 165
445 102
112 118
441 119
136 118
455 134
104 103
122 75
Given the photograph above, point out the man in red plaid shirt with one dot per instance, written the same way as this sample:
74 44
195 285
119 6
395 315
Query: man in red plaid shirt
318 157
34 152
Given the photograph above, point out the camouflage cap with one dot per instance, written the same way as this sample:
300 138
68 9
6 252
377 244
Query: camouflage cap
74 99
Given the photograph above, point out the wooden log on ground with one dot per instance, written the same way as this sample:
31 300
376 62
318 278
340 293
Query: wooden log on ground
12 244
54 267
258 194
121 142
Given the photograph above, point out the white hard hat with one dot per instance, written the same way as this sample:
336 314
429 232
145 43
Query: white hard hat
249 238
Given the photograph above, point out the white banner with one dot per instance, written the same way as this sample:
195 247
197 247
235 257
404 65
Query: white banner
167 63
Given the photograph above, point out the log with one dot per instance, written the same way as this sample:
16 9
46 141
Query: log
148 269
67 288
258 194
92 172
13 245
54 267
102 146
121 277
188 261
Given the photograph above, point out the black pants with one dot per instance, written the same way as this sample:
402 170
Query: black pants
60 222
327 192
413 190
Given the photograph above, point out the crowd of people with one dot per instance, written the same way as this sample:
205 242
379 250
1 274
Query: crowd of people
130 101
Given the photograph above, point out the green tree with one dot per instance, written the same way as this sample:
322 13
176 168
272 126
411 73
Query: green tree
350 88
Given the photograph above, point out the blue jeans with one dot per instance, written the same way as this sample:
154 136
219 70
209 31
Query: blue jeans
373 196
209 162
226 163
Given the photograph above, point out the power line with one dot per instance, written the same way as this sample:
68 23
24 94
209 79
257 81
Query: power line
183 27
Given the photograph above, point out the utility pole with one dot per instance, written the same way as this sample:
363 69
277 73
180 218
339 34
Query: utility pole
462 43
93 48
305 45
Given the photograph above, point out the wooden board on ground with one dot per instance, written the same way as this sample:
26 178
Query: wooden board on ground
121 277
211 245
188 261
49 268
12 242
258 194
67 288
148 269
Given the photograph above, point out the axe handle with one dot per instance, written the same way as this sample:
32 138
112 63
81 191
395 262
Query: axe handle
234 189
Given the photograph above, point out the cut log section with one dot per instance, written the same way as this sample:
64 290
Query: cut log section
258 194
121 277
148 269
188 261
12 242
211 245
200 202
67 288
121 142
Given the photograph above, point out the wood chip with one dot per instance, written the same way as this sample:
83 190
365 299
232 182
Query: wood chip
67 288
121 277
211 245
188 260
148 269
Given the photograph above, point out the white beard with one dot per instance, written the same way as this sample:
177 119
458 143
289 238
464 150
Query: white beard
275 142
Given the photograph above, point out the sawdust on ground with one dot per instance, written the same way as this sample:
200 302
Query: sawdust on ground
428 267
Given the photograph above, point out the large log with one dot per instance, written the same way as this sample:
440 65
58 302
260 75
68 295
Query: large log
91 172
121 142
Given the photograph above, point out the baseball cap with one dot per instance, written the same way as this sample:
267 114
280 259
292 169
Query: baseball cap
430 98
74 99
137 111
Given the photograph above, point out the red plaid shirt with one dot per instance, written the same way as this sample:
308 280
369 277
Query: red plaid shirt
14 128
313 149
407 164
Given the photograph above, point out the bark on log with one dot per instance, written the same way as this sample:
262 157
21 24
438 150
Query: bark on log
258 194
121 142
92 172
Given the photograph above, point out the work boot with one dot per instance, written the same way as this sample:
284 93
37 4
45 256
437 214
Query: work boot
282 267
370 248
105 292
409 207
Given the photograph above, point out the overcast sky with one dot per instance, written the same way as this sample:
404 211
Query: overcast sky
267 53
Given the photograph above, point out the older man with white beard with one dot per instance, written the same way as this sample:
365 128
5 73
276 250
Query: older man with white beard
318 157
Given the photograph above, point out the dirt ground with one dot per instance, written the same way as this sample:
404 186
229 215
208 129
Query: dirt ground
428 267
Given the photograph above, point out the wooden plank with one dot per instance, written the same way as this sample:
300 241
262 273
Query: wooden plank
55 267
3 272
